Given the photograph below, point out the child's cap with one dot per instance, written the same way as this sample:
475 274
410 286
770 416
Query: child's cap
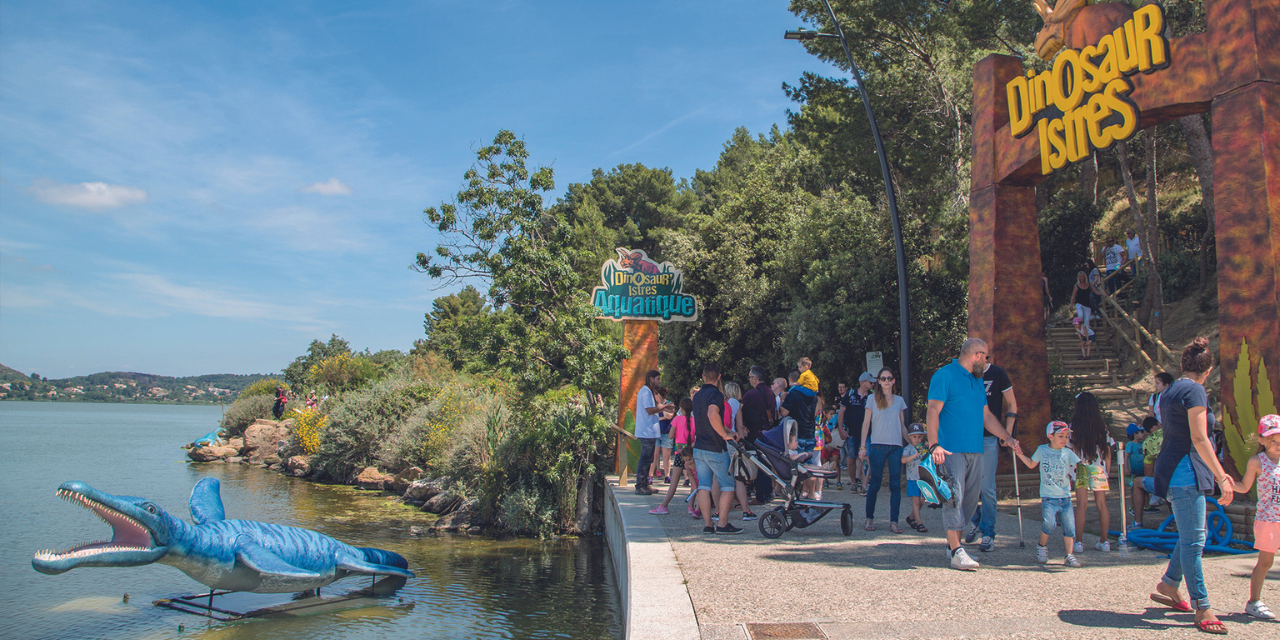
1269 425
1076 321
1132 429
1055 426
915 429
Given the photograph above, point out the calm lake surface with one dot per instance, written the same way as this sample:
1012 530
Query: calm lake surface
465 587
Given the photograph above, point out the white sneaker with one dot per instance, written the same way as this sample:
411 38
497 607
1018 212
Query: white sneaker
960 560
1259 610
1103 546
1042 554
1071 561
1078 547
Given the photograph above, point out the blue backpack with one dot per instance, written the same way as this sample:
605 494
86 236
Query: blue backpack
933 485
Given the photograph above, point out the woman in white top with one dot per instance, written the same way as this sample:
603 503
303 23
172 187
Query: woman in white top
884 429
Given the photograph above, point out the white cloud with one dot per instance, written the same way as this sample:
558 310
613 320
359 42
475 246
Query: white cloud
334 187
204 301
88 195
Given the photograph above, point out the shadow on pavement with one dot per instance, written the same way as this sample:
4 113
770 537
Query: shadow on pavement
1152 618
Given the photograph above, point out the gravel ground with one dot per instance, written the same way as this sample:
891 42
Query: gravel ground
877 584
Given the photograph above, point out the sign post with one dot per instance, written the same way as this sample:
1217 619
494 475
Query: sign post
640 293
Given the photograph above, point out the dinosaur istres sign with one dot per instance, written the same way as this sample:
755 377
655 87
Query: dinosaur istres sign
638 288
1082 103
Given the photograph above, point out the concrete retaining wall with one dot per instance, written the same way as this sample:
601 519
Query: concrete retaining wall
655 600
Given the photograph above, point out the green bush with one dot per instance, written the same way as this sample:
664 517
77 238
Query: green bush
1179 272
1062 391
245 410
264 387
363 421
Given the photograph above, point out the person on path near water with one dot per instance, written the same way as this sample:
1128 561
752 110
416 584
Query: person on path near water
1186 469
1004 406
957 415
711 453
885 429
647 431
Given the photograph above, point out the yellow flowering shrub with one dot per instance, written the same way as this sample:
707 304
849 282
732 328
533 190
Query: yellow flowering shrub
307 428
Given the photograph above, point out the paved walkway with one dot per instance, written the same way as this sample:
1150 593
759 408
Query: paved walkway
816 583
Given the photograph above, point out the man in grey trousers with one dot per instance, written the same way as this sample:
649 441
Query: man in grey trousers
957 416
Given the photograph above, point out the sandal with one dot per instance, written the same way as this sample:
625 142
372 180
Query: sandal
893 526
869 526
1183 606
917 525
1212 626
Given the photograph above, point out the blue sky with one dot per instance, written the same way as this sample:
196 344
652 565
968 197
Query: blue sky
191 188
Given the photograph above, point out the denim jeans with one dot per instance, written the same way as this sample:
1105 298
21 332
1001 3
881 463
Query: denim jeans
1189 513
646 460
879 455
985 518
1054 509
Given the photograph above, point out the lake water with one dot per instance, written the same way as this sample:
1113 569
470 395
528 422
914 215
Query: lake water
465 587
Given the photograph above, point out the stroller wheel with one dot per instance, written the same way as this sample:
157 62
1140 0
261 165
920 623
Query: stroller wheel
846 522
772 524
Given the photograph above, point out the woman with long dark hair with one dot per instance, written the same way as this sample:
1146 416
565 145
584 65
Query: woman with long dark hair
1092 444
884 429
1185 471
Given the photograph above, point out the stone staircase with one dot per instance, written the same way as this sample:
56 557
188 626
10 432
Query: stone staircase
1101 373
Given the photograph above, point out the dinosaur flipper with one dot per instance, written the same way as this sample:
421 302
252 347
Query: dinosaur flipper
269 565
206 502
361 566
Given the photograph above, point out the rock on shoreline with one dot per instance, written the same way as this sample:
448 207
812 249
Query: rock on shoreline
264 440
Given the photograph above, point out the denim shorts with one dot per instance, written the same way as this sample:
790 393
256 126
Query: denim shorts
712 464
666 442
1053 510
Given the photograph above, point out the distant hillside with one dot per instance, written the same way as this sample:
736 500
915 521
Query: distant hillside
124 386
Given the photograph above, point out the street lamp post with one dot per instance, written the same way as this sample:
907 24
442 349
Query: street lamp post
904 328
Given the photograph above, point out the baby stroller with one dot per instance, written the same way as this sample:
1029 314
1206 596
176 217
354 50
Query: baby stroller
795 511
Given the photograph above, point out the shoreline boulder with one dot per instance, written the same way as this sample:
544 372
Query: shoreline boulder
372 479
422 490
262 439
210 454
442 503
401 482
299 466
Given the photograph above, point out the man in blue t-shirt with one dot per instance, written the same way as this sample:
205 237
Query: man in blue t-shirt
957 415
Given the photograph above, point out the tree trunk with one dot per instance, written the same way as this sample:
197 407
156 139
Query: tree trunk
1145 238
1202 158
586 491
1154 300
1089 177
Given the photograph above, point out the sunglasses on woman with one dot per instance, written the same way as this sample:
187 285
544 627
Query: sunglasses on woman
886 379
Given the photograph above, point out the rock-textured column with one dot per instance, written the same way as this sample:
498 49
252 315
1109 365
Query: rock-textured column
1004 256
640 338
1246 175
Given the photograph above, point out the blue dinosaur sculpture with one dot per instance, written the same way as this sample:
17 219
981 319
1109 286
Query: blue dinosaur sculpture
237 555
207 439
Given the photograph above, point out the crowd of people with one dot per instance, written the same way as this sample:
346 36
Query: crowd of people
971 413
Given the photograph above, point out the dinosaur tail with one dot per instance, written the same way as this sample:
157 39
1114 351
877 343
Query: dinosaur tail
388 558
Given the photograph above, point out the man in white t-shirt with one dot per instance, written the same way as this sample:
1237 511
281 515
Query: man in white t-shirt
1114 256
648 414
1134 246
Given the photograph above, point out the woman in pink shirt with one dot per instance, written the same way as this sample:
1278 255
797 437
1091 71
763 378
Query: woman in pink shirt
682 427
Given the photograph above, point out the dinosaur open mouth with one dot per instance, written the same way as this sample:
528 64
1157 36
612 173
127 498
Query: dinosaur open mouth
127 533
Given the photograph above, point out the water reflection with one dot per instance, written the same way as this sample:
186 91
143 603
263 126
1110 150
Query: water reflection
466 587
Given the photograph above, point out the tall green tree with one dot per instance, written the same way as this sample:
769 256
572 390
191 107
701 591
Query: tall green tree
498 230
296 374
447 319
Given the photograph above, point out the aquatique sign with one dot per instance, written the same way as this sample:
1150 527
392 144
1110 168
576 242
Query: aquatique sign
1082 103
638 288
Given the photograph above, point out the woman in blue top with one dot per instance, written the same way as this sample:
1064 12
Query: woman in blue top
1184 471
